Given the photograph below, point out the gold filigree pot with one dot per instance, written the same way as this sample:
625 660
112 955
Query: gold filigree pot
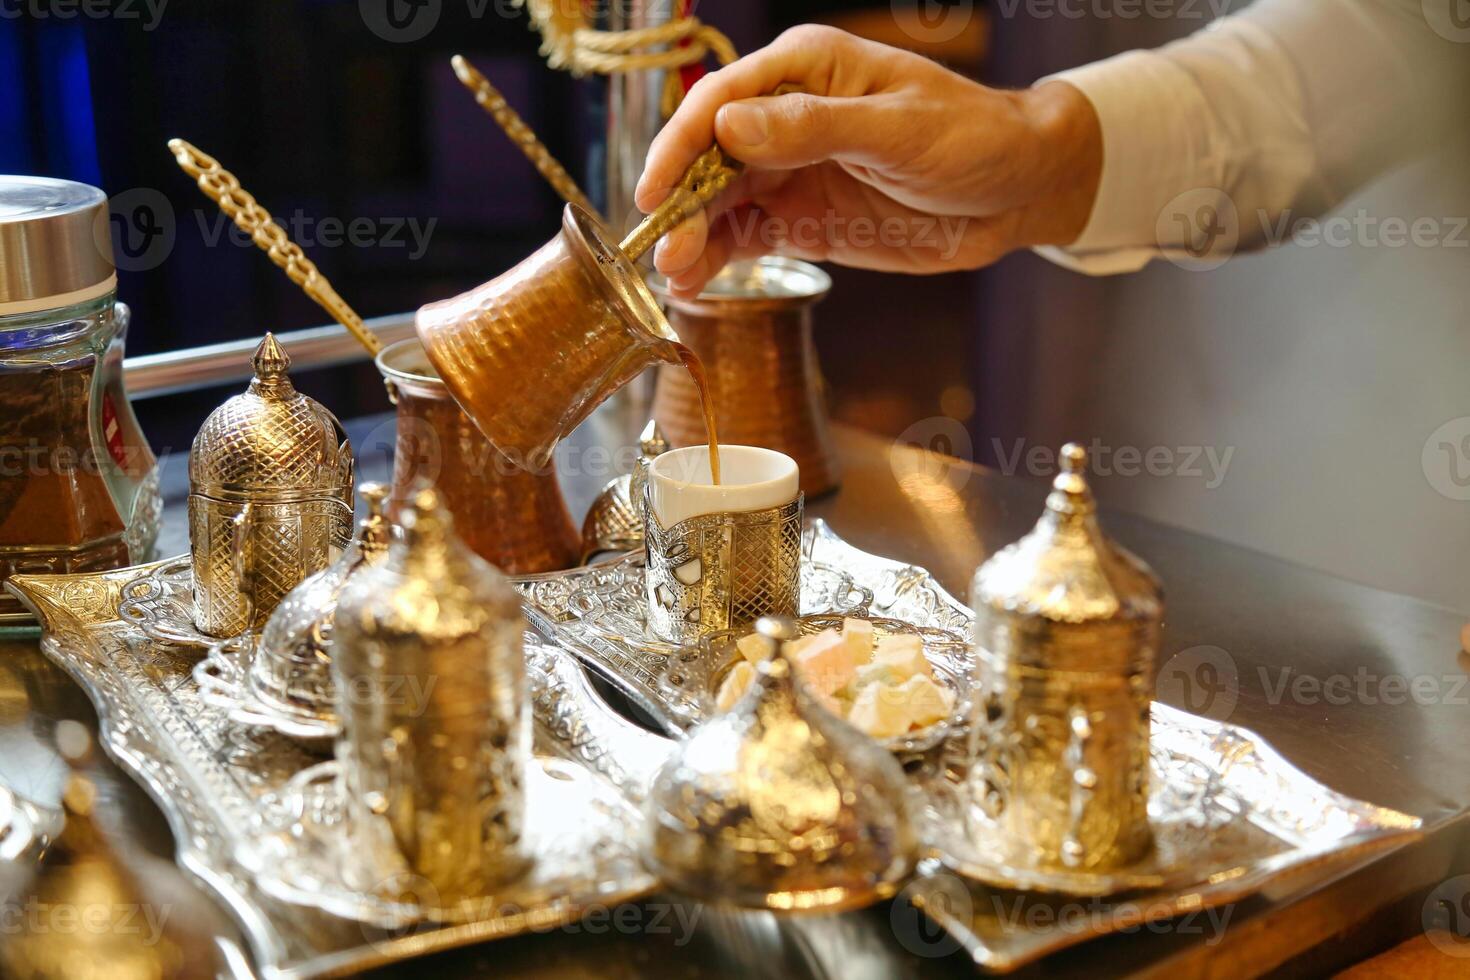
777 804
1066 634
436 720
270 498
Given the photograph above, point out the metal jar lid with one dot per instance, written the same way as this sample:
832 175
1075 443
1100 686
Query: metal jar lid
55 244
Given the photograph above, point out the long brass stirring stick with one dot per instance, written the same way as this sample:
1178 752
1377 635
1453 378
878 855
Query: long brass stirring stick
222 187
710 173
490 99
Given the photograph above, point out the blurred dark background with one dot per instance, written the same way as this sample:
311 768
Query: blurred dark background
1319 374
328 124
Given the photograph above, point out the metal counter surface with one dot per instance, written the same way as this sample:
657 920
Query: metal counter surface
1362 689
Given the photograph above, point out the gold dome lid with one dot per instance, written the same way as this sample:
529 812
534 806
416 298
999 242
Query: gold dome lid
777 804
1065 596
271 440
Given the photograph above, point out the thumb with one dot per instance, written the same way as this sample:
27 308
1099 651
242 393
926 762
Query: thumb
784 132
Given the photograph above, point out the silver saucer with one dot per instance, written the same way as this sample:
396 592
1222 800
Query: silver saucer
223 677
161 605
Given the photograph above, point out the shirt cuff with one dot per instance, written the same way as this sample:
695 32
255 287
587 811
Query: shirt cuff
1156 145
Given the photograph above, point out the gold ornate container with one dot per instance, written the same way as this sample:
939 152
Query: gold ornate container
752 329
1066 634
436 720
531 353
514 518
777 804
614 522
270 497
290 670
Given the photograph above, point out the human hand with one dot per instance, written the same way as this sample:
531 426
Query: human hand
885 160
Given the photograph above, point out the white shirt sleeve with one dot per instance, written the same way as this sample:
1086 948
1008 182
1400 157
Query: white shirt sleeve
1286 106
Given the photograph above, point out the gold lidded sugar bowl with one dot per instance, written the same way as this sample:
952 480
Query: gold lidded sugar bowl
778 804
270 497
436 718
1066 635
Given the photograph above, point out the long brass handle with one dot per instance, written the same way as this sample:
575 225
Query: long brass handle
490 99
223 188
710 173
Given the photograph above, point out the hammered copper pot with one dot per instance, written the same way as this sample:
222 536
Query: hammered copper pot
531 353
752 328
514 518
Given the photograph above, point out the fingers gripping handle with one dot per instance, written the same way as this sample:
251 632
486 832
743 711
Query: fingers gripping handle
710 173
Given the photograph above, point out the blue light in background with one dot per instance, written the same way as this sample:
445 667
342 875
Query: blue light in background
15 144
66 104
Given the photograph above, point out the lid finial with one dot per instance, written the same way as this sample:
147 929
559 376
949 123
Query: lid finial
271 360
1070 493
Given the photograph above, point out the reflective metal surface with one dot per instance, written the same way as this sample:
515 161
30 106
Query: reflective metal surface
270 497
531 353
601 615
436 724
51 251
189 369
1279 620
716 572
281 678
514 518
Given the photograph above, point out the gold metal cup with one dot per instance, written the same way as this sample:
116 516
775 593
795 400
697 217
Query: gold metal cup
531 353
513 518
725 569
752 330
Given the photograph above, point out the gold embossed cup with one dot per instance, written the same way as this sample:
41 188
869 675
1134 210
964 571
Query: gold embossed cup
720 556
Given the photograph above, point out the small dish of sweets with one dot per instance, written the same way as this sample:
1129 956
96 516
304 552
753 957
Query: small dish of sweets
892 681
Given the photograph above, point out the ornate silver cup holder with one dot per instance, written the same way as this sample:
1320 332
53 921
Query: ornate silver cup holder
223 677
694 675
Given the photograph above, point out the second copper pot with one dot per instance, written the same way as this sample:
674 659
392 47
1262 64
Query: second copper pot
752 329
513 518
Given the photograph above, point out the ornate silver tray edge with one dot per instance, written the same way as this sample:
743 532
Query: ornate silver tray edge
73 609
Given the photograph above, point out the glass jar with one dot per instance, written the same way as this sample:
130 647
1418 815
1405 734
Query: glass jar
78 483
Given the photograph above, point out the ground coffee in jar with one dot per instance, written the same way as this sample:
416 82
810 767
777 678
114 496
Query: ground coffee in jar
78 483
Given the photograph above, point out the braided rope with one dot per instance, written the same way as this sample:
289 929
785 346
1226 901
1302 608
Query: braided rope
569 44
240 206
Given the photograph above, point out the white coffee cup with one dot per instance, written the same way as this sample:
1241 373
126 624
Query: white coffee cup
751 478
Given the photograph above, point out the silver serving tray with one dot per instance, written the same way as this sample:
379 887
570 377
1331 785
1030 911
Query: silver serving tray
222 786
1230 816
598 614
159 601
1257 818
